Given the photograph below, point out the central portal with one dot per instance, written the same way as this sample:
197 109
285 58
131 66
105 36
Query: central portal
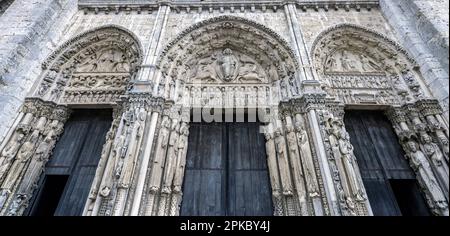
226 171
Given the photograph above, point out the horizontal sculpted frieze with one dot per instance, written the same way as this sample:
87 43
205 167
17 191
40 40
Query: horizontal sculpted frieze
229 96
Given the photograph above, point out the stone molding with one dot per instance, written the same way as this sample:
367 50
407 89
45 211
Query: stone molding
117 7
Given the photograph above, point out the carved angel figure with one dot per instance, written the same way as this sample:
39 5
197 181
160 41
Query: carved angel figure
248 71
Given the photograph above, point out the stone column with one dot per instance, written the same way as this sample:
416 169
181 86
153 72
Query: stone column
295 30
156 173
154 115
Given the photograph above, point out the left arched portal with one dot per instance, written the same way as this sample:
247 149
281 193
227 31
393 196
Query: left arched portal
91 70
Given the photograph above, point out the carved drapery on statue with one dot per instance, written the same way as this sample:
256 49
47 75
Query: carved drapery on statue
92 68
168 165
25 153
112 189
348 182
359 67
292 165
423 134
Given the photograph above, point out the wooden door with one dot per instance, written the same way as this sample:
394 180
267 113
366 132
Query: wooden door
69 173
204 190
226 171
385 171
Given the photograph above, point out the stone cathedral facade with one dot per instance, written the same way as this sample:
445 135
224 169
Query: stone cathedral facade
163 67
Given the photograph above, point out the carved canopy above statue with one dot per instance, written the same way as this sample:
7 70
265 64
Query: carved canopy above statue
227 49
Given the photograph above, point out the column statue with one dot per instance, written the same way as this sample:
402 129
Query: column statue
433 152
283 163
425 175
274 175
299 177
307 161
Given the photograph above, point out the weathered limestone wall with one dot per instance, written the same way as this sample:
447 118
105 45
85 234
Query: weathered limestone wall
431 18
314 22
422 28
29 31
139 24
276 21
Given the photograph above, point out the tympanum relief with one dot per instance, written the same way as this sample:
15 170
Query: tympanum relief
356 78
227 66
227 51
348 61
227 79
95 69
360 67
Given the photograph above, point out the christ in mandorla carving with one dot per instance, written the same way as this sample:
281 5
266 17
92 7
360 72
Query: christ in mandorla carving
228 65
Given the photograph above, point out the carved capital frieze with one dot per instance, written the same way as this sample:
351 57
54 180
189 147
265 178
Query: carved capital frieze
429 107
41 108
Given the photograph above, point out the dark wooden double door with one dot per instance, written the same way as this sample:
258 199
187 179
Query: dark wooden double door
65 184
226 171
390 183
